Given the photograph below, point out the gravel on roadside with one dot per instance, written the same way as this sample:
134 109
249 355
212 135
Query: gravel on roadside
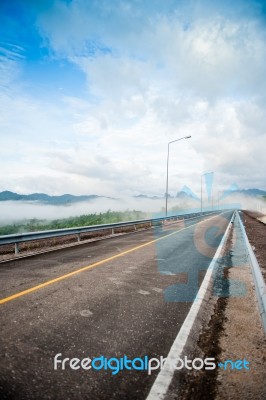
243 335
256 232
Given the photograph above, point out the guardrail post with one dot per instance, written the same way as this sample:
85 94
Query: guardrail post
113 231
135 227
16 248
78 237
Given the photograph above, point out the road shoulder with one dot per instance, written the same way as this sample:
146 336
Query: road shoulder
231 329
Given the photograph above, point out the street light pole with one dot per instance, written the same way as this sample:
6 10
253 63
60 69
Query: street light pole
201 200
201 194
167 168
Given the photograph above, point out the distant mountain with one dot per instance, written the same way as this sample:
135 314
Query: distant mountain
187 193
246 192
45 198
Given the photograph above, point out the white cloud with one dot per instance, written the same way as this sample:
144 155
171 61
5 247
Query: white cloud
212 56
153 75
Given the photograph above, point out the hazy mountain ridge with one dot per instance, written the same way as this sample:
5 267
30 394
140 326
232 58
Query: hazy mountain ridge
185 193
45 198
247 192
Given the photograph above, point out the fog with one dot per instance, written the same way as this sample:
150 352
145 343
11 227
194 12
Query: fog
246 202
14 211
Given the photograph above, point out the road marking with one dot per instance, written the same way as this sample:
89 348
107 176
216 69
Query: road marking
167 273
156 289
144 292
86 313
162 382
96 264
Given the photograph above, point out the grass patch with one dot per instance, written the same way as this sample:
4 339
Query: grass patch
34 225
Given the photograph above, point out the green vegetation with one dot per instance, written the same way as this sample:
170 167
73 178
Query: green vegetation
34 225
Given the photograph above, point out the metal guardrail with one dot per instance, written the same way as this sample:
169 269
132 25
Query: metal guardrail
30 236
257 275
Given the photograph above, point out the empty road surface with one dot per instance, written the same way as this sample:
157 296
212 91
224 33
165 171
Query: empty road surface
123 296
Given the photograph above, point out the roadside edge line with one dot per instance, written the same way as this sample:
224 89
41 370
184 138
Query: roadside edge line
163 380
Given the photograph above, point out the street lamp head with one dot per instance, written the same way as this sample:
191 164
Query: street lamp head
187 137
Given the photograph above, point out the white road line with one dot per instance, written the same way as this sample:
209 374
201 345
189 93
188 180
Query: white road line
144 292
156 289
167 273
86 313
162 382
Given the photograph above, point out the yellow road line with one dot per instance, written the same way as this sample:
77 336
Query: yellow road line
78 271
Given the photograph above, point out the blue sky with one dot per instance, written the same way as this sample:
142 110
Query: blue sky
92 91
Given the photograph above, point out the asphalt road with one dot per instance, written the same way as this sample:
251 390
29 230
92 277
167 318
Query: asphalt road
127 295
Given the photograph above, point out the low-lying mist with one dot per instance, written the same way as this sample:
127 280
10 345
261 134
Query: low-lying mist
14 211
